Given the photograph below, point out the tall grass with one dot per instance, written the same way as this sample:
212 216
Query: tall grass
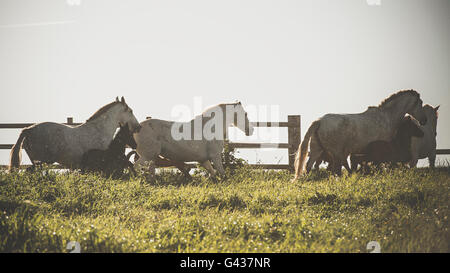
249 211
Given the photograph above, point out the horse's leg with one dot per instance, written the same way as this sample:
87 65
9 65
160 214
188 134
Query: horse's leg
35 165
209 168
136 156
131 167
309 163
217 161
32 168
347 167
184 168
378 165
413 162
165 162
337 164
414 155
337 168
313 164
432 159
148 154
332 166
315 154
317 163
366 168
353 163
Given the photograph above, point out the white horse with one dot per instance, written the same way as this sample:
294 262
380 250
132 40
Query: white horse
200 140
50 142
422 147
338 135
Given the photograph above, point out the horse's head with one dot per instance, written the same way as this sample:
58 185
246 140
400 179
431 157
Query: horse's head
125 136
405 101
432 115
241 119
126 116
416 110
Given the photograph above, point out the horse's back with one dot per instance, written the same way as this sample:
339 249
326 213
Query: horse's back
157 124
43 139
48 142
155 137
347 133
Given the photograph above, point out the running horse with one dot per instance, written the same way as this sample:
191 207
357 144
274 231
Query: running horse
200 140
50 142
339 135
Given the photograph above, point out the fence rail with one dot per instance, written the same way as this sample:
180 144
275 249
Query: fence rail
294 134
293 126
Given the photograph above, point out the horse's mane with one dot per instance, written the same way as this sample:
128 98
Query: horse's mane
221 105
428 107
102 110
398 94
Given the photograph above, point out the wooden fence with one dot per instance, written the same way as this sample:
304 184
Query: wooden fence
294 134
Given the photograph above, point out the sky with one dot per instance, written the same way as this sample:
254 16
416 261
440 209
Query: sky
67 58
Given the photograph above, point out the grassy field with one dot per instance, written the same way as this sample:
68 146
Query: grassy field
251 211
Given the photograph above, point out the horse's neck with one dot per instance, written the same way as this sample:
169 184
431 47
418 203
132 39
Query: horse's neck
203 118
202 121
395 115
430 125
103 127
117 146
106 126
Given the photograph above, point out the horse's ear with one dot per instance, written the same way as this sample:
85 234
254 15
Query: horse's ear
437 108
122 100
117 98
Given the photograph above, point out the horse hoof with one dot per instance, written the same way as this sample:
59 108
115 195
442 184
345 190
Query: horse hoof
214 178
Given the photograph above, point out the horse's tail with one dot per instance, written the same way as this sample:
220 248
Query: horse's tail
302 152
15 156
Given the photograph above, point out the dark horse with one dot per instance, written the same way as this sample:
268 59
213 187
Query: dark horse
111 161
396 151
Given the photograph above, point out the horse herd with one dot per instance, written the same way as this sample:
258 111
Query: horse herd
96 146
400 129
381 134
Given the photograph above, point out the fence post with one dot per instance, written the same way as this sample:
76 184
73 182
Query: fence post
294 135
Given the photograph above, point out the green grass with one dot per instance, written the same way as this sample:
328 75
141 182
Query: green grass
251 211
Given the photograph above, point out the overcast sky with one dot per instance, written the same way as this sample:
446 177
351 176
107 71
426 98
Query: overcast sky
61 58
